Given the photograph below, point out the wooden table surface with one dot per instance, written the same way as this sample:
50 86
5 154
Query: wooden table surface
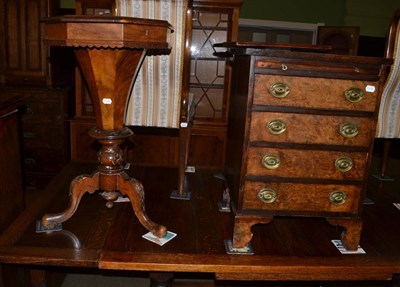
285 249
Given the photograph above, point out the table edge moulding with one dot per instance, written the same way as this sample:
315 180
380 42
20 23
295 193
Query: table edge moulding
109 51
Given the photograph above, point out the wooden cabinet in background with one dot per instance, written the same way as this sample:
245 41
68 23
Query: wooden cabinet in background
44 131
23 57
11 191
212 22
30 71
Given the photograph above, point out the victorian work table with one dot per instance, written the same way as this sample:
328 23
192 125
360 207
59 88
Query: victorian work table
109 51
301 132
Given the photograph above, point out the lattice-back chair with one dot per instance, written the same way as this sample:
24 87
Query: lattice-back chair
160 97
389 112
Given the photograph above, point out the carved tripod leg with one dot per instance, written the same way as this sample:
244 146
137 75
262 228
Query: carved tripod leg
134 190
242 234
79 186
351 233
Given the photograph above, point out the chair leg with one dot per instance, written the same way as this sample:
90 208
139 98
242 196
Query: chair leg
183 191
387 143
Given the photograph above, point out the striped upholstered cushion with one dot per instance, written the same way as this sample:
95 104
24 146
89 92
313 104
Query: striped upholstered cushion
389 113
155 98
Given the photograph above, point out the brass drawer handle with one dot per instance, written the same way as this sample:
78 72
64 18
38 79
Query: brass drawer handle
354 94
279 90
343 164
271 161
267 195
337 197
276 127
29 110
30 161
348 130
29 135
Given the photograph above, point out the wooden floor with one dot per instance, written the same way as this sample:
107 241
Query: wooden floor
298 250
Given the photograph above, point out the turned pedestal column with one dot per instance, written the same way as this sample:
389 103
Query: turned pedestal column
109 51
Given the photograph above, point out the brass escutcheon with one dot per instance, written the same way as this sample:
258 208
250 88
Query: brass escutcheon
271 161
267 195
337 197
343 164
348 130
354 94
276 127
279 90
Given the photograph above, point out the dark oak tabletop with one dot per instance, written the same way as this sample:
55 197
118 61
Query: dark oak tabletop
285 249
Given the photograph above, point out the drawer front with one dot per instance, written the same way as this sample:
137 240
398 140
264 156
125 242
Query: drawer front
44 160
315 93
35 180
314 164
43 136
275 196
42 105
311 129
42 112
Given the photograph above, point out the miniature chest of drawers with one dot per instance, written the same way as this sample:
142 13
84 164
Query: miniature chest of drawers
301 132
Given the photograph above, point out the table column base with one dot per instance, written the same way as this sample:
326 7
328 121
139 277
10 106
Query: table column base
111 180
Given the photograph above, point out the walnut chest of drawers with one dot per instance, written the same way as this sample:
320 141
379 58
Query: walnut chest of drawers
301 132
45 132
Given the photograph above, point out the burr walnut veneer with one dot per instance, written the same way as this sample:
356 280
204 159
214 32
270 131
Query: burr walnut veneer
109 51
302 126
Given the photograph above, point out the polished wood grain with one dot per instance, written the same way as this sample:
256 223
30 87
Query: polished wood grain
109 75
310 129
314 95
300 198
125 32
305 163
289 248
